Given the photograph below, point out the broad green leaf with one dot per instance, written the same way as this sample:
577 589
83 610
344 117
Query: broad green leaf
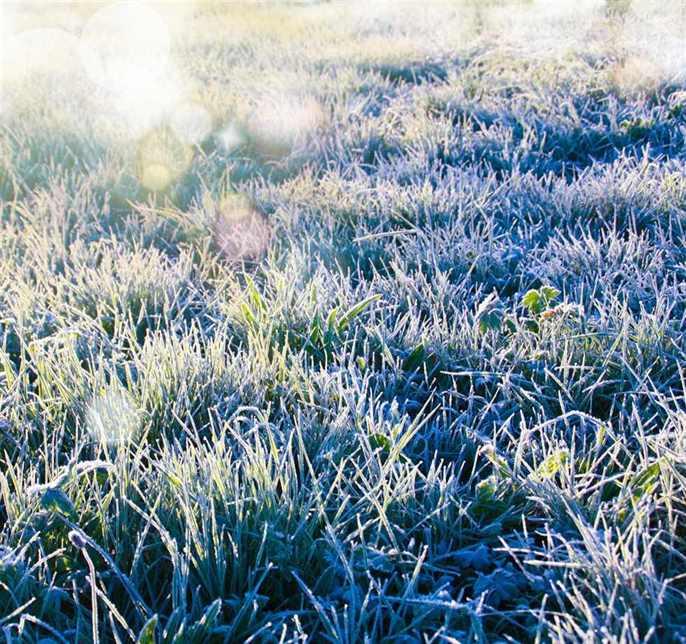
549 293
487 304
486 489
532 325
499 463
477 557
510 325
499 586
532 301
536 300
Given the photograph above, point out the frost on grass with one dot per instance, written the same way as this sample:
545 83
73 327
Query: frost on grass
343 322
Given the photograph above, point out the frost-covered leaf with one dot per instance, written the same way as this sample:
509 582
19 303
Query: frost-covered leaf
55 500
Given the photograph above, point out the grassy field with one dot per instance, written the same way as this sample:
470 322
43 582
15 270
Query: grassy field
343 322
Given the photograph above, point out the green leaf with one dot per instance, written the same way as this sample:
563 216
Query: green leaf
500 586
646 481
174 626
55 500
532 301
600 436
486 489
354 311
380 441
477 557
248 315
500 465
549 293
316 330
536 300
331 320
532 325
415 359
255 297
676 111
147 634
367 558
551 465
488 304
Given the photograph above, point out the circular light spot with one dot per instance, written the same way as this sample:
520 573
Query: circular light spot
125 50
156 177
278 123
162 158
241 232
125 46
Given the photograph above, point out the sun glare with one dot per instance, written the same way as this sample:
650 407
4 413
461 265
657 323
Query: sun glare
112 417
49 51
125 46
125 50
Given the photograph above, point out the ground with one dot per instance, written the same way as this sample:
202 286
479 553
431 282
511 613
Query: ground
350 321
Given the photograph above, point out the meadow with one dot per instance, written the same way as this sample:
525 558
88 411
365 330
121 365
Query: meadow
343 321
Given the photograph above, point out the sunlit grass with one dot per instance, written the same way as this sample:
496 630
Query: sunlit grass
342 321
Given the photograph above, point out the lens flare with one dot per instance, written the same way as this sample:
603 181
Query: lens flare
241 232
230 137
162 159
125 51
124 46
156 177
654 44
112 417
279 123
